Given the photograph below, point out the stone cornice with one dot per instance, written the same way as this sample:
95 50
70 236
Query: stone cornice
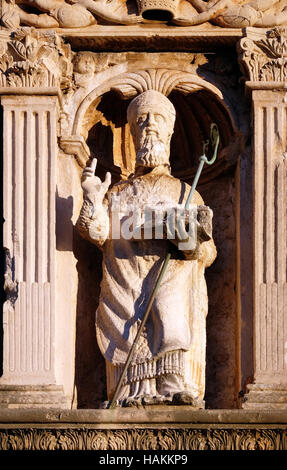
143 429
44 91
151 415
152 38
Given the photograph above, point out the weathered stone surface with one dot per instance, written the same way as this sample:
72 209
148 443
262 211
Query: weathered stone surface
266 396
166 361
230 14
225 13
151 38
123 439
43 80
217 194
264 59
144 416
222 377
26 396
178 429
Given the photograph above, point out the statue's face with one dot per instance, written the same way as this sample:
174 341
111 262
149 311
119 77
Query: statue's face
153 122
84 64
152 130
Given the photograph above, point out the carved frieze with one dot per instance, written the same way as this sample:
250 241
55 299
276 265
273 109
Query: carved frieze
86 13
263 57
144 439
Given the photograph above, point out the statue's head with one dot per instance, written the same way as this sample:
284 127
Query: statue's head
84 63
151 117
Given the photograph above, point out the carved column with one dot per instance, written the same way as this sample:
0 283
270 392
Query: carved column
29 97
264 58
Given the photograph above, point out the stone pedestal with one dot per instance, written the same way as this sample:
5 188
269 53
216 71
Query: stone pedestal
152 429
261 58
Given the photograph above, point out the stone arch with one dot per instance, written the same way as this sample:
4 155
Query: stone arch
198 102
135 81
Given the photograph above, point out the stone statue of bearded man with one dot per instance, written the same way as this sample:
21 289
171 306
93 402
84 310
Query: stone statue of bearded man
169 362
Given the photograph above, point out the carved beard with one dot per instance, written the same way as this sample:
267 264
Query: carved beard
153 152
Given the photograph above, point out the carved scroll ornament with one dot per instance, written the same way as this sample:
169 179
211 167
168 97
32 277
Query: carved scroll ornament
264 58
144 439
31 59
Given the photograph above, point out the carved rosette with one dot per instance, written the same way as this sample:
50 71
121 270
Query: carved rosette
30 59
263 56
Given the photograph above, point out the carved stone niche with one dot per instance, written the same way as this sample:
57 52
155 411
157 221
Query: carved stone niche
100 129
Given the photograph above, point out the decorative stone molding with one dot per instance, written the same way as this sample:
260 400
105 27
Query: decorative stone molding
30 59
271 396
144 439
161 80
138 80
263 55
150 38
168 8
225 13
96 74
36 396
146 428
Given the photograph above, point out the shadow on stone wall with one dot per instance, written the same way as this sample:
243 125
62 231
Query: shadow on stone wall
221 353
64 224
90 378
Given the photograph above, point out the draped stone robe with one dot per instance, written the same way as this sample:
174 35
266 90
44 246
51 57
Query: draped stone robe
173 340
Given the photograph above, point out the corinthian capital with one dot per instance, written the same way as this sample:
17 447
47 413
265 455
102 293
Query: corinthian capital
31 59
263 55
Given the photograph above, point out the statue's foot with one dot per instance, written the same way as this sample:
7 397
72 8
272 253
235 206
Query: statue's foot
133 401
157 400
179 398
186 398
144 400
104 405
129 402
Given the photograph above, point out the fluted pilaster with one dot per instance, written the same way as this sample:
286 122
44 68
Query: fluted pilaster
30 148
270 238
32 67
263 59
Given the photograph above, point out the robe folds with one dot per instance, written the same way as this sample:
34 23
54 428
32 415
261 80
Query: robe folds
173 340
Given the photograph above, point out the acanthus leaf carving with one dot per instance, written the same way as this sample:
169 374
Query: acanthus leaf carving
143 439
33 59
264 58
